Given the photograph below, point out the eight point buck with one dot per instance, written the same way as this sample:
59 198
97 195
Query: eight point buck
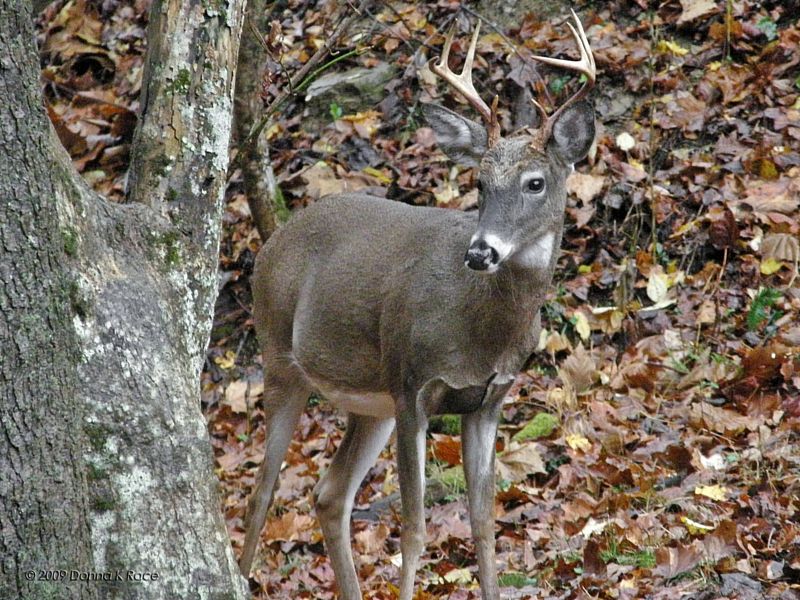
374 305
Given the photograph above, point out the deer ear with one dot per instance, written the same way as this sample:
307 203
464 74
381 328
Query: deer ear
573 133
463 140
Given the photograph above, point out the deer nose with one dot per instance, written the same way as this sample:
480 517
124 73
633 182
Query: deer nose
480 256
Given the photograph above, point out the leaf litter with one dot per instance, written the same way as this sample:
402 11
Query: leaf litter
668 465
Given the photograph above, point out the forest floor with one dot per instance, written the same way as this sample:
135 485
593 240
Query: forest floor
652 448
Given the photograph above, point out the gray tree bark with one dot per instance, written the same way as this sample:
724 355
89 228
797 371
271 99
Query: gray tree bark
105 312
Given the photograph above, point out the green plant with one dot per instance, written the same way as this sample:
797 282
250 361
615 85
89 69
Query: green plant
761 308
453 479
558 83
336 111
542 425
515 579
768 27
447 424
643 559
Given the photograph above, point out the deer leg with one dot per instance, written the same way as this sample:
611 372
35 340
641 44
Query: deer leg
412 424
284 401
478 435
334 494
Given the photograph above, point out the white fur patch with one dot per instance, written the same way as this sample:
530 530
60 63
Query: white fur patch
539 253
370 404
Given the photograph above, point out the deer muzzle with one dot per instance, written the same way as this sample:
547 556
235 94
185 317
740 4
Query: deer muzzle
481 256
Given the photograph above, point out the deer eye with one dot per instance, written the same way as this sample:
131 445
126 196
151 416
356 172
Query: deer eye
535 185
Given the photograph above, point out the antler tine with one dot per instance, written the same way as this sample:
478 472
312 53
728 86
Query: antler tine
585 64
467 68
445 57
542 112
462 82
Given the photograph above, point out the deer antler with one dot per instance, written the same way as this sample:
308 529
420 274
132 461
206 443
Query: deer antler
462 83
583 65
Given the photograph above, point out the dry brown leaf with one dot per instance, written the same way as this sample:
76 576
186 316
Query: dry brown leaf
322 181
578 369
671 562
781 246
519 461
371 540
707 313
720 420
446 448
781 196
290 526
723 231
696 9
236 396
585 186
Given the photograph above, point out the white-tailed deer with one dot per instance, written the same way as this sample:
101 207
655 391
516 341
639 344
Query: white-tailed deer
375 305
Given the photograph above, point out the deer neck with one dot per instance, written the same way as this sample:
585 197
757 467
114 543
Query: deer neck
505 310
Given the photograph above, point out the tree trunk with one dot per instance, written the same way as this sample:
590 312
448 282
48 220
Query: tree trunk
42 489
105 311
258 178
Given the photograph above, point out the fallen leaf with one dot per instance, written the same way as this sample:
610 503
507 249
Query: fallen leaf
577 441
585 186
719 420
781 246
582 325
593 526
371 540
780 196
446 448
657 285
724 230
696 9
226 361
669 47
578 369
290 526
459 576
671 562
715 492
696 528
774 570
770 266
520 460
707 313
625 141
715 462
322 181
236 396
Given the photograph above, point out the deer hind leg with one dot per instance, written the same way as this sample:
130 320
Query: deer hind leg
285 396
335 493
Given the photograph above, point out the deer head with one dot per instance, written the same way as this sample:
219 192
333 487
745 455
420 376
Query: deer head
521 178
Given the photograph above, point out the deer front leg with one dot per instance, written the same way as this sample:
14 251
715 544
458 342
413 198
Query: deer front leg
412 424
478 434
333 496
